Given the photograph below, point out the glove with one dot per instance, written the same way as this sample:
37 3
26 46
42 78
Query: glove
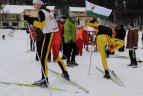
26 17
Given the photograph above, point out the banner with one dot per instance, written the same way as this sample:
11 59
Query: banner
95 10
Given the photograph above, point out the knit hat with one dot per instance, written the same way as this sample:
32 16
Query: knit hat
41 2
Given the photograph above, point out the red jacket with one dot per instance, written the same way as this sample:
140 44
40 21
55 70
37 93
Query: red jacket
79 38
57 35
32 35
55 45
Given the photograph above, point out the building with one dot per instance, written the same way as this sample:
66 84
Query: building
12 15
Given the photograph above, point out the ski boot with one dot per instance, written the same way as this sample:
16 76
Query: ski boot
69 64
74 63
107 76
132 64
66 75
107 53
42 83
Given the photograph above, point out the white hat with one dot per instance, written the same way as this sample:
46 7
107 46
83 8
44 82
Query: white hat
38 2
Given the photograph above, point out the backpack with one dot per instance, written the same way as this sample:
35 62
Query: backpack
104 30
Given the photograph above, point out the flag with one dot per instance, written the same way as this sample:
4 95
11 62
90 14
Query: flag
96 10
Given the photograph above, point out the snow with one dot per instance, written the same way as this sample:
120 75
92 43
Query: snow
17 9
17 64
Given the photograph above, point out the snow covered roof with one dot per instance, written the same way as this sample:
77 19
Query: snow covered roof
78 9
16 9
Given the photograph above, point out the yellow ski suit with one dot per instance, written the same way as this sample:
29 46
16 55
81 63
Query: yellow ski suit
104 39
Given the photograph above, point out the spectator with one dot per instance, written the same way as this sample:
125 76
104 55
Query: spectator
132 44
122 35
70 41
79 40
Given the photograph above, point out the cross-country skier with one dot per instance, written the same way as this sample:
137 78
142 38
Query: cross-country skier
47 23
104 38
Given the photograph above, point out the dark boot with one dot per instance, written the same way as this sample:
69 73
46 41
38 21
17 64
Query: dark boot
107 76
42 83
74 63
107 53
66 75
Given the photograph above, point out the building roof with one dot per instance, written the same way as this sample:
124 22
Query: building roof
77 9
17 9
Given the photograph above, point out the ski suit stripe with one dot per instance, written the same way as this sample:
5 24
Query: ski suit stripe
45 51
61 64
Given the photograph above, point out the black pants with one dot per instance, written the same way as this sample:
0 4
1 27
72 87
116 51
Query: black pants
32 45
39 46
70 52
44 53
132 55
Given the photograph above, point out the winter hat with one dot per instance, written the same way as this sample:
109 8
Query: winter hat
41 2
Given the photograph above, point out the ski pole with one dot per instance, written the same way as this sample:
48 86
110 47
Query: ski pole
27 42
90 58
91 52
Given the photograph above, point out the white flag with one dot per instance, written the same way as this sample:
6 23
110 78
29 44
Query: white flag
95 10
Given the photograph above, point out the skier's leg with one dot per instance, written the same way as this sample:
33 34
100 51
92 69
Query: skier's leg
117 43
101 43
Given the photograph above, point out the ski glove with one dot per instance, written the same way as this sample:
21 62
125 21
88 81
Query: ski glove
28 19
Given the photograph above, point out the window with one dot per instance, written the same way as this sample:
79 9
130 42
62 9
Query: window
14 23
5 24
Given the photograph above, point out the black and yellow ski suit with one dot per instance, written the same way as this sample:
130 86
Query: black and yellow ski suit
48 25
104 37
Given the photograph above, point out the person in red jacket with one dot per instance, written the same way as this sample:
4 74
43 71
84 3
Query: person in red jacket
32 37
79 40
55 46
85 38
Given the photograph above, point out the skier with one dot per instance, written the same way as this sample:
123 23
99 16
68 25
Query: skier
132 44
103 39
48 25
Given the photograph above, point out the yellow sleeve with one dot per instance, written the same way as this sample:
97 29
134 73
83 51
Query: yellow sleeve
95 25
39 24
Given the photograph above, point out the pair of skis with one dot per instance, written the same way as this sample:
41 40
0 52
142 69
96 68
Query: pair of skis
31 85
114 77
73 83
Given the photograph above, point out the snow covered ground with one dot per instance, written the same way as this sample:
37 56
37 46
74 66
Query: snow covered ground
17 64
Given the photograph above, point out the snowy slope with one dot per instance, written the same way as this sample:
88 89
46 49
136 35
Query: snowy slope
19 65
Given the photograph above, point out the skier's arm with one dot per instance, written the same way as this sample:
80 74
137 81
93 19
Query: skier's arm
95 25
41 22
37 22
